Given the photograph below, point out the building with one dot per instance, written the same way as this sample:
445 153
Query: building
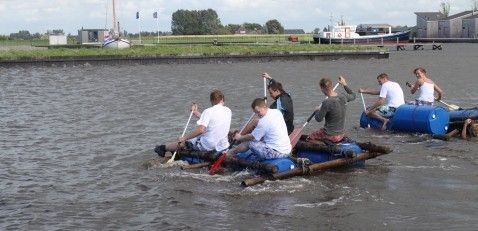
57 39
451 27
436 25
427 24
470 26
92 36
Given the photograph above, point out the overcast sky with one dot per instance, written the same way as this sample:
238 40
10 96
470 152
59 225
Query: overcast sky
71 15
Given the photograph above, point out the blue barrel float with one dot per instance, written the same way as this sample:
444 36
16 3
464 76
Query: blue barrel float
319 157
462 115
414 119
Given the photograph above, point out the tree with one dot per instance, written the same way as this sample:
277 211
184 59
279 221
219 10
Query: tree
274 27
23 34
445 8
186 22
316 30
232 28
210 22
252 26
474 5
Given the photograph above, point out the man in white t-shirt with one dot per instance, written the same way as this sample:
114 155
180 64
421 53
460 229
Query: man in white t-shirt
390 98
212 130
269 139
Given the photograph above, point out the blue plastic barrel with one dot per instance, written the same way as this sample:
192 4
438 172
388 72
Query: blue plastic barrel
366 122
319 157
421 119
461 115
282 164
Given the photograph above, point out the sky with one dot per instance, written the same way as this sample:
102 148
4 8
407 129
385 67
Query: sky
71 15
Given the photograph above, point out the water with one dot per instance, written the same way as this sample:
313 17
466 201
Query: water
75 142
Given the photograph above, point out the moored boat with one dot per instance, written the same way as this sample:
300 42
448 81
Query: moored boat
361 34
114 40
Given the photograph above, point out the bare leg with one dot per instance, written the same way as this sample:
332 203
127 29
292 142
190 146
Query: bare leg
384 120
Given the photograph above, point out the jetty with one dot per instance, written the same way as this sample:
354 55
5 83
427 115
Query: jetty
412 46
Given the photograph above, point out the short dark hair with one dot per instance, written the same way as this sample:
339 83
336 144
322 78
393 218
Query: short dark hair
274 85
325 83
419 69
216 96
258 102
382 76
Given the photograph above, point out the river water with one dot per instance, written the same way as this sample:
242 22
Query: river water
75 143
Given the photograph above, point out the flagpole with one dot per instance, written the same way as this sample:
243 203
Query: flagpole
157 24
139 25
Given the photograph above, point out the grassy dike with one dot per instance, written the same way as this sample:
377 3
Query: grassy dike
180 50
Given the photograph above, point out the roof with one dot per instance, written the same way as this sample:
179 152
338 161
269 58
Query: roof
430 16
92 29
294 31
376 25
464 13
475 15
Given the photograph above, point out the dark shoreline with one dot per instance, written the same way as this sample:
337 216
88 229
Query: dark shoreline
196 59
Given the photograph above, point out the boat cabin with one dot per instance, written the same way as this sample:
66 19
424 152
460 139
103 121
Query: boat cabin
373 29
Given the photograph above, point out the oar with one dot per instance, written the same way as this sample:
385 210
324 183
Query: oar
365 107
215 166
171 160
295 135
450 106
363 102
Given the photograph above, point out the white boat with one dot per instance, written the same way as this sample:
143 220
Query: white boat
363 33
114 39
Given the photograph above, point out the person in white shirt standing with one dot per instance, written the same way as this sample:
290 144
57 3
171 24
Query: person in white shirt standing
212 130
269 139
390 98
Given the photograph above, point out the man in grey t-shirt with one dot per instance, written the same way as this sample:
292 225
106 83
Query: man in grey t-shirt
333 109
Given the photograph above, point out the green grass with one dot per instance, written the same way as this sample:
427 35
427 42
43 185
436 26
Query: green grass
155 51
179 46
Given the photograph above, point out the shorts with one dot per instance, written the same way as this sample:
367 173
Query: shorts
423 103
386 111
263 151
321 135
195 144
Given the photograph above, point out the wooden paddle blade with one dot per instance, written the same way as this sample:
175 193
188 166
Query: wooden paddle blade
171 160
217 164
295 136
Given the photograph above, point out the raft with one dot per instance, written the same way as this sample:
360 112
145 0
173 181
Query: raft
304 153
413 119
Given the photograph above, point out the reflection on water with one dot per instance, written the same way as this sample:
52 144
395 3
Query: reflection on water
75 142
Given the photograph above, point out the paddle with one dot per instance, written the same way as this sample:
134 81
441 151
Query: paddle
171 160
363 102
451 107
364 107
295 135
215 166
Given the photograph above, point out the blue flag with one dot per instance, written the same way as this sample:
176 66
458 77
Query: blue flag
137 15
155 15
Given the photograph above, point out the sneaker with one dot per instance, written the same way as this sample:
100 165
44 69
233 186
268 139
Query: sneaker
161 150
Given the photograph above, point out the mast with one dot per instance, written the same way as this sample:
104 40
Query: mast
115 25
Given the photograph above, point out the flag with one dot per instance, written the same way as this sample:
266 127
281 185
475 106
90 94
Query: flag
155 14
137 14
